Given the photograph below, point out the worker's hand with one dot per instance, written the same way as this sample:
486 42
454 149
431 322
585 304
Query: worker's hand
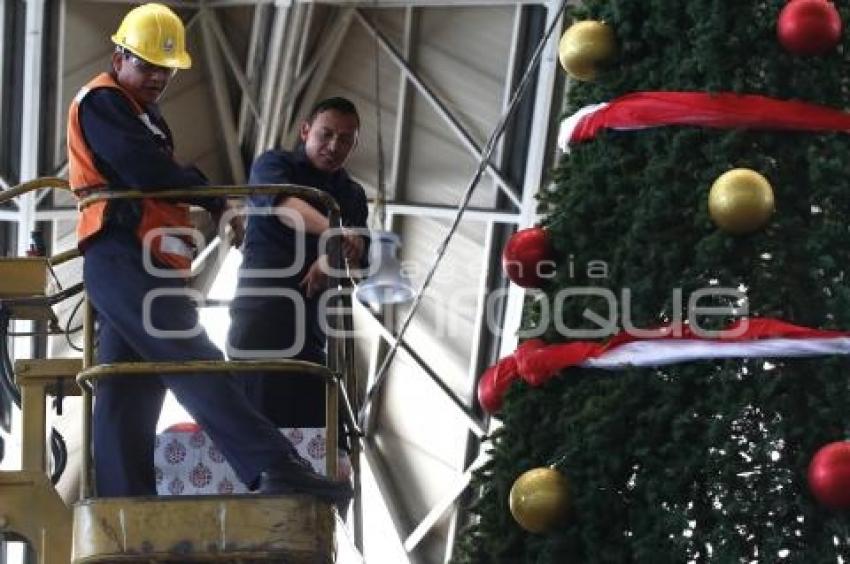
237 225
316 278
352 246
236 222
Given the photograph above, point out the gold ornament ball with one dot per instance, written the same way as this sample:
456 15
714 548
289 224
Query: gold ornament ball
540 499
584 46
740 201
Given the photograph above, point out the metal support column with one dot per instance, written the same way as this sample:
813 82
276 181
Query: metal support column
230 57
270 76
300 60
546 77
222 102
260 13
31 118
296 30
59 109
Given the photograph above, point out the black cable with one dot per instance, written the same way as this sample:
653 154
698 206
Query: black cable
68 330
7 373
50 300
6 391
60 455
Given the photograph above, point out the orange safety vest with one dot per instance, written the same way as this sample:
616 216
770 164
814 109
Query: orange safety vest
172 248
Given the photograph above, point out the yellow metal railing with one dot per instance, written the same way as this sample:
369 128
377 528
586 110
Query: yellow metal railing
219 367
32 185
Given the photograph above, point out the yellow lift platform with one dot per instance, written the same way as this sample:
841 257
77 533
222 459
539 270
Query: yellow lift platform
251 528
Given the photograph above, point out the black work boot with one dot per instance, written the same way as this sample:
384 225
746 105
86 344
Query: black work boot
296 476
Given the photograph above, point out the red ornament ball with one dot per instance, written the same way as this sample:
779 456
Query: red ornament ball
495 382
527 257
809 27
829 475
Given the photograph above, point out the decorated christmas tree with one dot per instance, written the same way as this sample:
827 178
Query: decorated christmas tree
682 391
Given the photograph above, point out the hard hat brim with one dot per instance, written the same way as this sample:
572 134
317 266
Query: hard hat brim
180 61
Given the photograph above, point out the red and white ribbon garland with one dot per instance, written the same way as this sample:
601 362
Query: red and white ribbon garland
537 362
641 110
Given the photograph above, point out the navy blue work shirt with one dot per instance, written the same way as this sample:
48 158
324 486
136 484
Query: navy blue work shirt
135 154
268 242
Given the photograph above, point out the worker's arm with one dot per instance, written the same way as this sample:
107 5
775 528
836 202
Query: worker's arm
274 167
314 221
127 152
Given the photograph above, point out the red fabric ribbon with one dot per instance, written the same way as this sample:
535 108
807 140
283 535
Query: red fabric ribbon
536 362
723 110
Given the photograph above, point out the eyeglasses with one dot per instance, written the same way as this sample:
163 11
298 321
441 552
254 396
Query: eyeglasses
145 67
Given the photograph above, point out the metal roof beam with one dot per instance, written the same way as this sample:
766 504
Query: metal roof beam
221 98
290 51
260 14
230 57
237 3
171 3
271 75
438 211
401 148
376 468
57 214
466 139
300 60
448 499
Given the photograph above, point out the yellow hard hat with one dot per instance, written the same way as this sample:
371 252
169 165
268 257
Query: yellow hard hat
154 33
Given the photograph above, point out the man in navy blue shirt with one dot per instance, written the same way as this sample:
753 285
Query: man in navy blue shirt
285 321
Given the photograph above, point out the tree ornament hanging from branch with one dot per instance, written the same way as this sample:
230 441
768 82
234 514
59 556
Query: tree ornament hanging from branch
741 201
829 475
540 499
585 47
809 27
527 257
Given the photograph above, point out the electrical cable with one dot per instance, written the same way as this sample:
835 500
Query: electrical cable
7 374
59 450
441 250
68 331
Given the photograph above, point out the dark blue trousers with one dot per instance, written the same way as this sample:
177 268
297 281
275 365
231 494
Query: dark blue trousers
127 408
288 399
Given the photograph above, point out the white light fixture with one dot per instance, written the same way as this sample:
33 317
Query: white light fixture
387 285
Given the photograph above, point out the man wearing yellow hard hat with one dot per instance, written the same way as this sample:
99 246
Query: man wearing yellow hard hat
137 256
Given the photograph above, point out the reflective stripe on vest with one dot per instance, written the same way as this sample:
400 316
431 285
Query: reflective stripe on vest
86 179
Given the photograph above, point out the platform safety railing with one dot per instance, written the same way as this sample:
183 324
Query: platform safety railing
339 351
339 374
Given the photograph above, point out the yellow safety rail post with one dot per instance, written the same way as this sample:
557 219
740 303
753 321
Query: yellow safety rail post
30 507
